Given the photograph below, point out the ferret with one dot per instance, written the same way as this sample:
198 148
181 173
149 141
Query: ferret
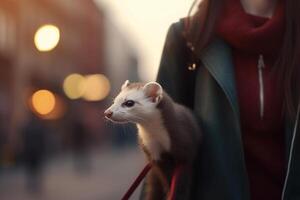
168 133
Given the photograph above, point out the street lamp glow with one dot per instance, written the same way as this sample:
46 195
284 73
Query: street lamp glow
46 37
97 87
43 101
74 86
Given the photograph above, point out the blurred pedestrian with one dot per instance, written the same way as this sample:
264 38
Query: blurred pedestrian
34 134
80 142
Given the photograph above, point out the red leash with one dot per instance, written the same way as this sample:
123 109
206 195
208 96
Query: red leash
174 182
137 182
142 175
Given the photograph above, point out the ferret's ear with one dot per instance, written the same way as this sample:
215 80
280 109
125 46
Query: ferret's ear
154 91
125 84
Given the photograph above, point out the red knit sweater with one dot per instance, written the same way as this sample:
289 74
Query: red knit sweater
263 138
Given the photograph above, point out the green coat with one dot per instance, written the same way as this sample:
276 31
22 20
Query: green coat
210 91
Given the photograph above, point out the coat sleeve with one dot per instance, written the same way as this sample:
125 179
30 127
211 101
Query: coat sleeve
173 73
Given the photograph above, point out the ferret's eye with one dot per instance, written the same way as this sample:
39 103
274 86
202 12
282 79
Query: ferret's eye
128 103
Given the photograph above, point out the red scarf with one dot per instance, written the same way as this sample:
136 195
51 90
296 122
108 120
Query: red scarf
263 139
251 33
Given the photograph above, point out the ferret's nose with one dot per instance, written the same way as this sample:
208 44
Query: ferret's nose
108 113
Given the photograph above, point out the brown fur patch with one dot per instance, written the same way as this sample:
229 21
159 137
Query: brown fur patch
135 86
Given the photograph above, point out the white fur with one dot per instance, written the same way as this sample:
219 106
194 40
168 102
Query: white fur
155 136
125 84
145 114
121 114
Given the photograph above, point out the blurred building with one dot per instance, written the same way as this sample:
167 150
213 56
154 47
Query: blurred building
88 44
120 55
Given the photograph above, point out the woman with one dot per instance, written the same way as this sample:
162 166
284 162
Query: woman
235 63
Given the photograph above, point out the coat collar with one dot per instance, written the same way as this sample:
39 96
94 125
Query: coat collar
217 59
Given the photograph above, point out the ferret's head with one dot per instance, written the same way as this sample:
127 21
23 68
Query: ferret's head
137 102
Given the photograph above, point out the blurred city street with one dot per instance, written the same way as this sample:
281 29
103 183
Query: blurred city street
61 65
107 177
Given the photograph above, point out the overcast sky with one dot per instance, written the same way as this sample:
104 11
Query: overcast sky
146 22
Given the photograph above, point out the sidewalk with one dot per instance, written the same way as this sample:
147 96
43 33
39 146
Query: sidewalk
110 174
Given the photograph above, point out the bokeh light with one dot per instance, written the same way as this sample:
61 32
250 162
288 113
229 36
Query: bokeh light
59 109
74 86
43 102
97 87
47 37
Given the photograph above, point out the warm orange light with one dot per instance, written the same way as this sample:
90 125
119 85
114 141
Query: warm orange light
59 109
43 101
46 37
97 87
74 86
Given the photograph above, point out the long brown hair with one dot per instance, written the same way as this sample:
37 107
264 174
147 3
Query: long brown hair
200 30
